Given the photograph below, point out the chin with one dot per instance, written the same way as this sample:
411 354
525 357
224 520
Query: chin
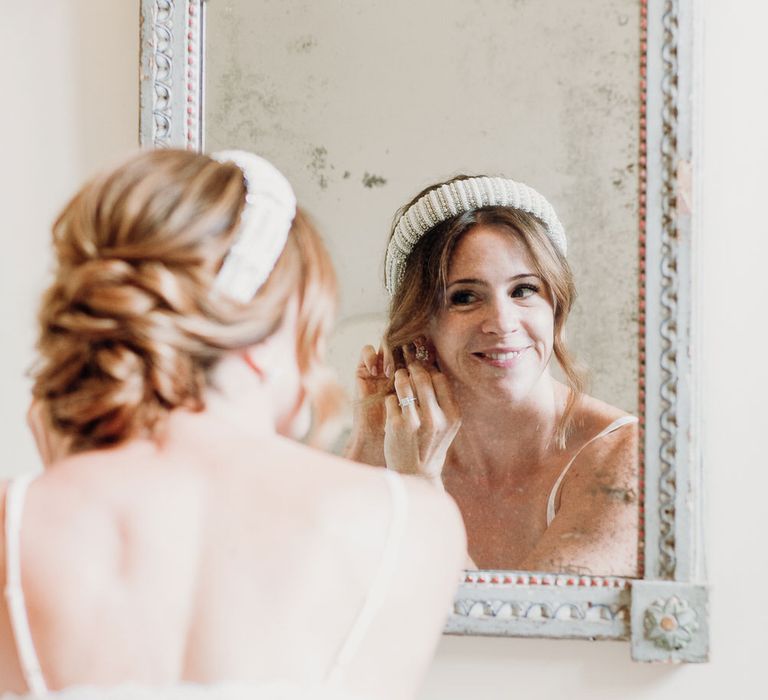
505 388
511 394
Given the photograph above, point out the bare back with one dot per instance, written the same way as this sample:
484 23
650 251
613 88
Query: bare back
198 564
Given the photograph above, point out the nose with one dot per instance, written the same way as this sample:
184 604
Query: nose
502 317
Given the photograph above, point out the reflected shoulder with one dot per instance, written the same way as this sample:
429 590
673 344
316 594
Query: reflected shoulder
611 462
593 415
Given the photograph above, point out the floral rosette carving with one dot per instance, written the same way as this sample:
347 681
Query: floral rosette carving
671 623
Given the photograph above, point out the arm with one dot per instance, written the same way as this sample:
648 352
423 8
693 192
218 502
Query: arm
596 529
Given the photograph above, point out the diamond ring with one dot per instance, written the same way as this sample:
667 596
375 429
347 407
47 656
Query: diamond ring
407 401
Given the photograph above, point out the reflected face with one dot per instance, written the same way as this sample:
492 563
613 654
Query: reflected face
496 329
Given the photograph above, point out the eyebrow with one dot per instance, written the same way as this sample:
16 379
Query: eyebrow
472 280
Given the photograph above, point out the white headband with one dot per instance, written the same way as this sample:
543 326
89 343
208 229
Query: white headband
270 207
460 196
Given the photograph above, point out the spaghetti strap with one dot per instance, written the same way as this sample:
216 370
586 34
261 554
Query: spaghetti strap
14 594
615 425
381 581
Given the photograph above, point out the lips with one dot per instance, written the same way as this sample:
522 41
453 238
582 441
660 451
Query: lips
500 357
511 355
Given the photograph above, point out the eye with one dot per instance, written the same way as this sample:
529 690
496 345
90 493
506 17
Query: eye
523 291
462 297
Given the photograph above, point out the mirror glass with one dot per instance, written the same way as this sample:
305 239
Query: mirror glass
362 105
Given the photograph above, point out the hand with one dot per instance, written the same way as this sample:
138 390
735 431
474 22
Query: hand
418 433
369 417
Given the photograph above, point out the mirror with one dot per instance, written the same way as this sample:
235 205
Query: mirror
363 109
363 106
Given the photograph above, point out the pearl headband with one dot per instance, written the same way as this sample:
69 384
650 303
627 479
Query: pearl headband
452 198
270 207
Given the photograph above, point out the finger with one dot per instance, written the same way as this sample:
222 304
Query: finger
421 380
369 359
394 413
387 360
405 397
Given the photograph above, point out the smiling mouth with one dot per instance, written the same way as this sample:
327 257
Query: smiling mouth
500 356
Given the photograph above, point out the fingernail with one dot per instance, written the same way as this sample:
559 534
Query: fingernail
387 370
374 371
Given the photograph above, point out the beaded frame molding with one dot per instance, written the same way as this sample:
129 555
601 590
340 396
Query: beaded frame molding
664 614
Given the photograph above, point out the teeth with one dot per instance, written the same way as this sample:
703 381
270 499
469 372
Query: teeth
502 355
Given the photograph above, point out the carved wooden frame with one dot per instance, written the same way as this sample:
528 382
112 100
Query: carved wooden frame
665 613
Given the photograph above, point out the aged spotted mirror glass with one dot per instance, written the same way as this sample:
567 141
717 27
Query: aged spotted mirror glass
589 103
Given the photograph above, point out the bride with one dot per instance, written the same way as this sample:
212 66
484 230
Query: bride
545 475
180 538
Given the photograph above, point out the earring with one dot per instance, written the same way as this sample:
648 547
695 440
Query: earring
422 353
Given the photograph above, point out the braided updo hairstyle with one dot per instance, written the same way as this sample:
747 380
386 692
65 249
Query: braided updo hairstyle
130 327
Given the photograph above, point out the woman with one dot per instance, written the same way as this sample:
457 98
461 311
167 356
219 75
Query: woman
176 535
545 475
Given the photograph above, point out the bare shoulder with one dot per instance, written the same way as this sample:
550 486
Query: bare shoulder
432 516
593 415
608 458
354 506
603 435
66 518
596 526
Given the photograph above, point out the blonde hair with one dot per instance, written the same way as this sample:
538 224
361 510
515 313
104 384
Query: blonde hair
129 328
422 292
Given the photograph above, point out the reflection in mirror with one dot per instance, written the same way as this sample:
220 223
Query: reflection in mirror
545 476
364 107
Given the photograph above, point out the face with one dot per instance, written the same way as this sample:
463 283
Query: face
494 334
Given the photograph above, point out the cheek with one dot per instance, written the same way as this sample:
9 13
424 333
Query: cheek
540 326
445 337
548 331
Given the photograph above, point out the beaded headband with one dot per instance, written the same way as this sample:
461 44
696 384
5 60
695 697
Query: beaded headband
454 198
270 207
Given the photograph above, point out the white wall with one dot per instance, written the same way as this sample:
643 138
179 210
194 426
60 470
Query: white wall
69 75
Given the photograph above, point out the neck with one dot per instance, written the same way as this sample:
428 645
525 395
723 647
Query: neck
236 400
500 436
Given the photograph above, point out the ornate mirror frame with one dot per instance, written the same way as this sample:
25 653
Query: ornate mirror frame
665 613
